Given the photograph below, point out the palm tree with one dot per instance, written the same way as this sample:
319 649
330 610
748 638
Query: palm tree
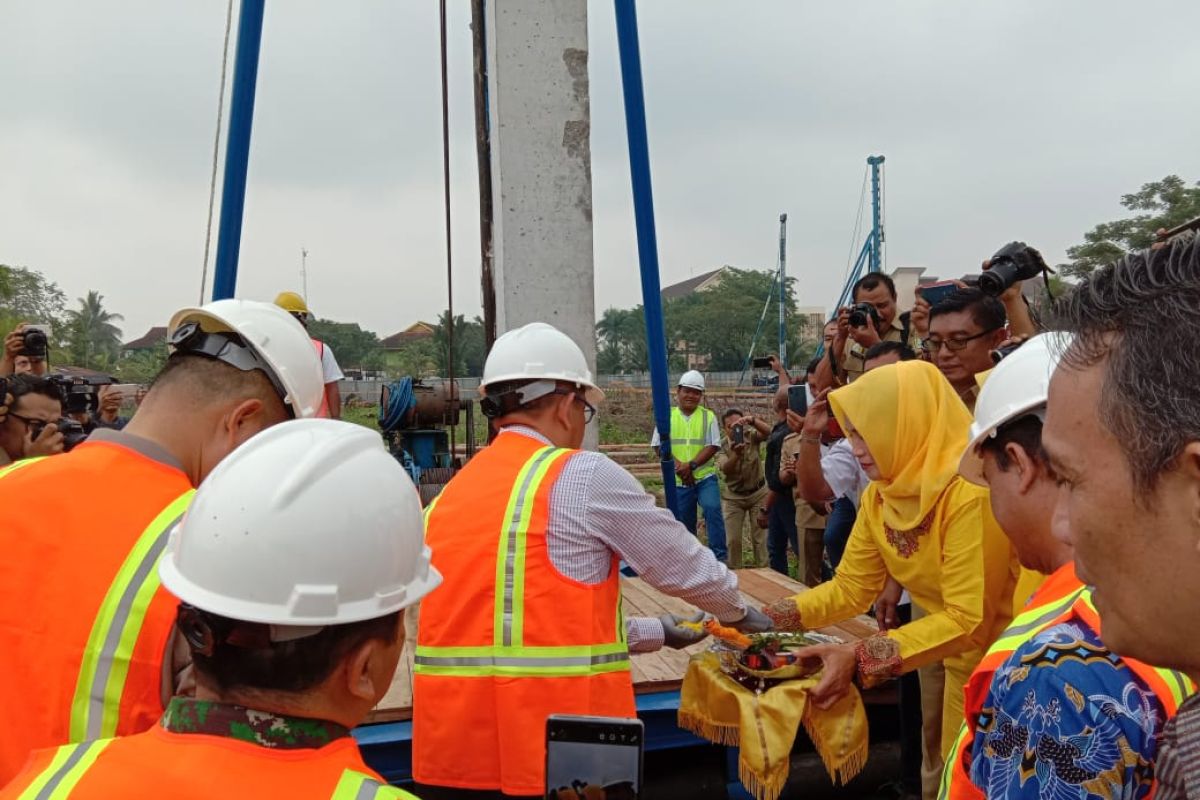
94 339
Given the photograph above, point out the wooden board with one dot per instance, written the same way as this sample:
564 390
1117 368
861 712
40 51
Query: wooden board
660 671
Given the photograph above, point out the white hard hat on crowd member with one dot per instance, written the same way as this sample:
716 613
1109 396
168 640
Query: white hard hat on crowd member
692 379
538 351
309 523
274 336
1015 387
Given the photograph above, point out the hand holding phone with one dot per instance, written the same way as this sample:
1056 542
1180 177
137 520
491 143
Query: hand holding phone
798 398
594 756
935 293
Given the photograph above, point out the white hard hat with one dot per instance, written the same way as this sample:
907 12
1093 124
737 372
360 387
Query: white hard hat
275 336
692 379
1015 387
309 523
538 351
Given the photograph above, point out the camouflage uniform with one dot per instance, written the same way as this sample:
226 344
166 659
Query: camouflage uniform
185 715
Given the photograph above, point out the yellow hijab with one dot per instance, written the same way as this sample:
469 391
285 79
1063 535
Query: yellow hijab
916 428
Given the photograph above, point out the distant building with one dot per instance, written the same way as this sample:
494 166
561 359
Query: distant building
810 321
155 338
696 283
413 333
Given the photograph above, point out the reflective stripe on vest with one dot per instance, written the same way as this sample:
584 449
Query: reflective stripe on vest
687 442
96 705
357 786
24 462
58 779
507 655
319 346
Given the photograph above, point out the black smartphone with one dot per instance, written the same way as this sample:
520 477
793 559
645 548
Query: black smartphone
593 757
935 293
761 362
798 398
738 434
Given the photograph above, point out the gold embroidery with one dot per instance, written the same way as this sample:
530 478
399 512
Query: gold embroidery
908 542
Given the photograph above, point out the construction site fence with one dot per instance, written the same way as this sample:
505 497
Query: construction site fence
368 390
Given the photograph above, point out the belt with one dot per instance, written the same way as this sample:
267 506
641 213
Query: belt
761 484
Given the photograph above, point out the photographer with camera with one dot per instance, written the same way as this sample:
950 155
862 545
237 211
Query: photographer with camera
872 319
964 329
1002 277
744 492
30 343
31 427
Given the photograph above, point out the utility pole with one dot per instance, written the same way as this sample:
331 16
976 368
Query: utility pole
304 271
783 289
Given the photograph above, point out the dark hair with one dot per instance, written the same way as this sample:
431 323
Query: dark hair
873 281
812 365
207 379
880 349
22 385
987 311
1025 431
243 657
729 412
1139 316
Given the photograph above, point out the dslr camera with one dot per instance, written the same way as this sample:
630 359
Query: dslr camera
1016 261
35 342
80 394
72 432
860 313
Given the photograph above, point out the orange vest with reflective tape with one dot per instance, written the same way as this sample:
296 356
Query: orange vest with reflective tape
507 640
1062 596
192 766
83 622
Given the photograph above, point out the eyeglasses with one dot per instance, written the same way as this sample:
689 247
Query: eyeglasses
34 426
953 345
589 410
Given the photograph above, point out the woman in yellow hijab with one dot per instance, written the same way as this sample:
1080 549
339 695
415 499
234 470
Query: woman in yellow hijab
919 521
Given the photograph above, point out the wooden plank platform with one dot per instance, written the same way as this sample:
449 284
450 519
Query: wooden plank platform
660 671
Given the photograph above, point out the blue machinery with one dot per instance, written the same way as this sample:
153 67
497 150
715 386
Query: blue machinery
872 250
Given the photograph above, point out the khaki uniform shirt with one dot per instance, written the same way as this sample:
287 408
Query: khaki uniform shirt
854 360
806 517
747 477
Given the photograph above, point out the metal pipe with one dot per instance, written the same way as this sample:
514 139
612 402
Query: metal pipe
783 290
876 238
643 212
483 158
237 148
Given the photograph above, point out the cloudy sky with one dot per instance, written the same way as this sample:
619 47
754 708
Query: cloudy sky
999 120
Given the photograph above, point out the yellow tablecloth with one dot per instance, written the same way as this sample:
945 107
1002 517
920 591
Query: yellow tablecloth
763 725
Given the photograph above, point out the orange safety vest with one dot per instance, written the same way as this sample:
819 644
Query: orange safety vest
194 766
323 411
83 622
1060 598
508 640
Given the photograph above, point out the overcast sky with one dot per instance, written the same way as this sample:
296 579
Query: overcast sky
999 120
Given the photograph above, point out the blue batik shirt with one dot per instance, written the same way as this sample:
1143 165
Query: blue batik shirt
1065 718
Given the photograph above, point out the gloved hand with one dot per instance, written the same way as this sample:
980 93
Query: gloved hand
754 622
676 635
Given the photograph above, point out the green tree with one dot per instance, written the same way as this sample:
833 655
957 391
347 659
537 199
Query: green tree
417 359
469 345
93 339
27 296
351 345
1163 204
141 366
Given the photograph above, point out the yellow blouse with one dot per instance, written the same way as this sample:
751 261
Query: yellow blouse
958 567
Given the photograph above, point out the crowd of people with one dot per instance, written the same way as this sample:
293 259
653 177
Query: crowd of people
226 588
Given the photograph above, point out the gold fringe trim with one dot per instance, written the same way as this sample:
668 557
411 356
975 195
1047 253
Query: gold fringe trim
768 789
707 729
841 767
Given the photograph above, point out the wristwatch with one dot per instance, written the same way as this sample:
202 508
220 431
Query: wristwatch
692 466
